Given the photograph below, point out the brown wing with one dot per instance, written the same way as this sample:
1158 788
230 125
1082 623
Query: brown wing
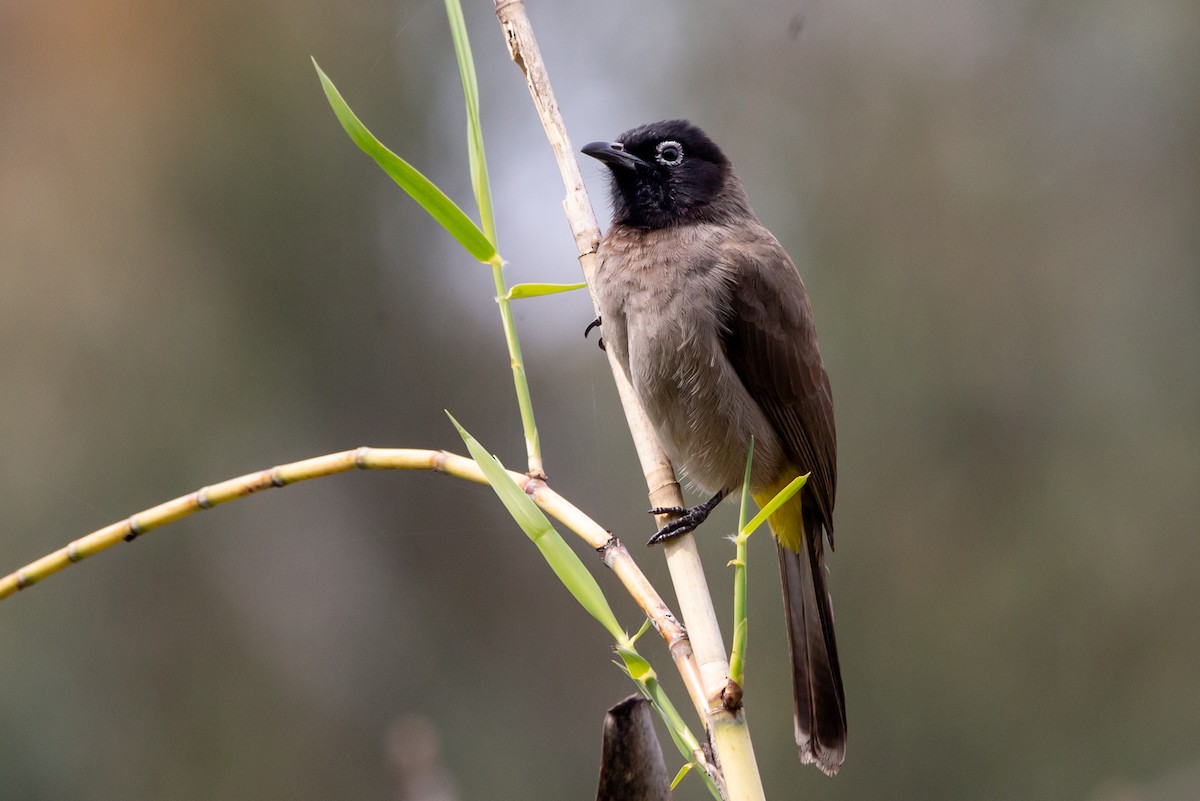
771 342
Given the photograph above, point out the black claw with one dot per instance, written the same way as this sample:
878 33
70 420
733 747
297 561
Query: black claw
688 520
676 528
594 324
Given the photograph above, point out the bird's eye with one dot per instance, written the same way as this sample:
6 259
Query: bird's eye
669 153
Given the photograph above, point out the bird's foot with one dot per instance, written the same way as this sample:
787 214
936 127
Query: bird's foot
594 324
688 520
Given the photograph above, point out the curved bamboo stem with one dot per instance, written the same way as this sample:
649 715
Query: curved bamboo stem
614 554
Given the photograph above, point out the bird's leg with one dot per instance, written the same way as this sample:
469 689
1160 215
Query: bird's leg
688 519
594 324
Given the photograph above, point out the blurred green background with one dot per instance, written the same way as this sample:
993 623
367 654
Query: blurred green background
995 206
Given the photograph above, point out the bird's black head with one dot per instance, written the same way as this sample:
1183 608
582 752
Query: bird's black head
668 173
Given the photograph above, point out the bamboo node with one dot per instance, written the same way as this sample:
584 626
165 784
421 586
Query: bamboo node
534 482
608 547
731 696
135 529
360 457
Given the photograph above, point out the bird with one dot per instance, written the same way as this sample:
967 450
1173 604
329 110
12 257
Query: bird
708 317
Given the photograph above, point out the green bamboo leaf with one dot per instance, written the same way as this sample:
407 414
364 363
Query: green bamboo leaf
682 772
681 735
637 666
420 188
466 71
537 290
562 560
645 627
683 738
783 497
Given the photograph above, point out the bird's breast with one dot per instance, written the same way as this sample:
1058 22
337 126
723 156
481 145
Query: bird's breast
662 301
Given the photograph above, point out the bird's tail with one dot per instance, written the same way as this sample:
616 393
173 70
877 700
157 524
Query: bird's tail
820 705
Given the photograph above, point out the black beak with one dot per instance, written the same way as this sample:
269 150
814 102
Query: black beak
613 154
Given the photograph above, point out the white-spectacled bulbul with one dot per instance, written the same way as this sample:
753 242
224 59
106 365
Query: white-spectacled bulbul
707 315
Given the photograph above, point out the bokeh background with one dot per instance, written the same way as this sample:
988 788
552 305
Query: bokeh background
995 206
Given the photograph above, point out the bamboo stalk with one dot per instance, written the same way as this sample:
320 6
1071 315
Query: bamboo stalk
614 554
533 445
727 727
487 220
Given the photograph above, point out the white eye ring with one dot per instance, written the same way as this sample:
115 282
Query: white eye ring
673 161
